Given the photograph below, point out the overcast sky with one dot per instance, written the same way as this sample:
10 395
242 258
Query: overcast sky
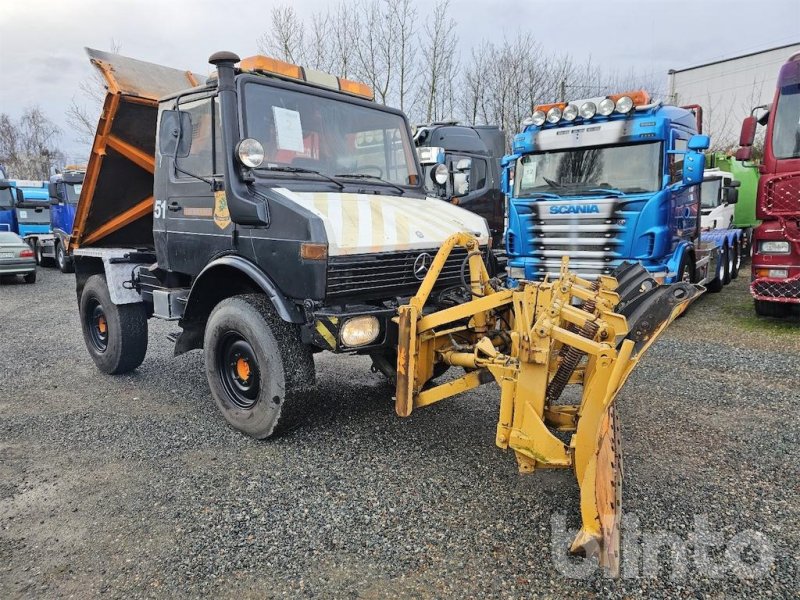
42 59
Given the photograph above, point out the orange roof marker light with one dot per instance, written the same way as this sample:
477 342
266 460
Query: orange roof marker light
273 66
586 109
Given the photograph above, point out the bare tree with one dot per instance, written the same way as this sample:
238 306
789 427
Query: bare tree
439 63
28 148
375 46
285 38
83 112
404 16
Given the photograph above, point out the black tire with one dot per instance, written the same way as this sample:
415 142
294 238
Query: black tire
737 260
30 277
63 261
715 286
115 335
255 362
686 269
37 253
776 310
730 259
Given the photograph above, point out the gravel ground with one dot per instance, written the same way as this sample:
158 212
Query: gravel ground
134 486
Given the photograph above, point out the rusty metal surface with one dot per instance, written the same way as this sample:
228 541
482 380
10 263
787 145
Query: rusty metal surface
133 77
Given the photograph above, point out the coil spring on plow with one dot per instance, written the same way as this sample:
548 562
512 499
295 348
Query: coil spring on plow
535 341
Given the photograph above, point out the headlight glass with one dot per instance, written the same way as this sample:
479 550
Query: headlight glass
570 112
625 105
554 115
538 117
778 273
606 107
441 173
588 110
250 153
360 331
774 247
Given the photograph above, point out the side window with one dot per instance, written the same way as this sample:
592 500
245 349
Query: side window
219 153
478 177
676 161
200 159
7 198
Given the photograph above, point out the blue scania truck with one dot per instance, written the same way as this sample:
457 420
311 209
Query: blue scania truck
24 208
612 179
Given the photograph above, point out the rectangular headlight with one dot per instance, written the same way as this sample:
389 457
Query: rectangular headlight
774 247
778 273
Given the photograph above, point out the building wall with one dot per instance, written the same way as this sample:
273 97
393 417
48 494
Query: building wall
728 90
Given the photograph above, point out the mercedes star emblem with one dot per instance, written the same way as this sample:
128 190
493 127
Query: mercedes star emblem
421 265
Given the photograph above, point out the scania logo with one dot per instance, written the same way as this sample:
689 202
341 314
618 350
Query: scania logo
421 265
574 209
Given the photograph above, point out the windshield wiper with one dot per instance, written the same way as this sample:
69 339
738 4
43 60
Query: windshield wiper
375 177
288 169
606 190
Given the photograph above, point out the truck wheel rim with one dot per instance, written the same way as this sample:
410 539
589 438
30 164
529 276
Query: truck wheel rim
60 255
98 326
239 370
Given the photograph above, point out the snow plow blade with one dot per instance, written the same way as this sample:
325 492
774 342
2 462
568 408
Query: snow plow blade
560 351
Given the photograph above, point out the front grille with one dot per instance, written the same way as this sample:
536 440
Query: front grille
387 274
770 289
782 195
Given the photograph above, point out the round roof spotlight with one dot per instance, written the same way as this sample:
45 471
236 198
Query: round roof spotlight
554 115
606 107
570 113
527 121
625 105
588 110
538 118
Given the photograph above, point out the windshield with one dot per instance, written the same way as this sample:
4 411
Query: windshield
334 137
7 198
632 168
709 193
786 135
73 192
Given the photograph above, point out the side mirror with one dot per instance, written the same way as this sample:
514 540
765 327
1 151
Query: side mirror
730 195
175 134
694 164
748 134
52 190
699 142
20 196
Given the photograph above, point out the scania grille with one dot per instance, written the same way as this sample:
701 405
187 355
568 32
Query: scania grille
386 275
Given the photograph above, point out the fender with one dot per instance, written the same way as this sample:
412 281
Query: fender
206 292
677 256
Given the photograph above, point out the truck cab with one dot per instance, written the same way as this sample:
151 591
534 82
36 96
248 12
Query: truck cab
606 180
64 190
775 283
270 212
719 194
31 208
8 198
461 164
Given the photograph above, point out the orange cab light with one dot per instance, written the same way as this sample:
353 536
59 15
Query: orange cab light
356 88
545 107
639 97
273 66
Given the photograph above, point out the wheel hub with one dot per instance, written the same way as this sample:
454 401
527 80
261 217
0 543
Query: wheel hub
239 370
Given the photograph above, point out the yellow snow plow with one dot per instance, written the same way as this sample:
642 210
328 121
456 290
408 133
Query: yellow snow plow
560 351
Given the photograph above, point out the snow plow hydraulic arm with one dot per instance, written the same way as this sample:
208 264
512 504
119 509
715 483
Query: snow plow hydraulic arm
538 341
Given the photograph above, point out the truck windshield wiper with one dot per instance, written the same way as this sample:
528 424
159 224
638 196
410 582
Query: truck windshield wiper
375 177
287 169
604 190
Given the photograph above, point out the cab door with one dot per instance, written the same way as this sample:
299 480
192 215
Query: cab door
197 223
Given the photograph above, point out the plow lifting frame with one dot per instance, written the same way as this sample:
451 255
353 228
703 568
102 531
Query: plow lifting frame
535 341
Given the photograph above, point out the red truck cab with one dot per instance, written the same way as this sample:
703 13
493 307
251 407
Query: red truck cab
776 242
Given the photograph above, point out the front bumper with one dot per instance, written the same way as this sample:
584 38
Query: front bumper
323 327
17 266
772 289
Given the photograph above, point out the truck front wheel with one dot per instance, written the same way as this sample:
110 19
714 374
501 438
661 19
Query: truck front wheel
115 335
64 262
254 362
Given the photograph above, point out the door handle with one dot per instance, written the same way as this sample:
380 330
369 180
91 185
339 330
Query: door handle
174 207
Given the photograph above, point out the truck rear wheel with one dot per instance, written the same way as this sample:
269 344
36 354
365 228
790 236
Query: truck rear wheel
736 259
777 310
115 335
722 278
254 363
64 262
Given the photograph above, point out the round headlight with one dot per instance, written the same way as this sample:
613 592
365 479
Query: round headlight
538 117
624 105
588 110
606 107
570 112
440 174
554 115
527 121
360 331
250 153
